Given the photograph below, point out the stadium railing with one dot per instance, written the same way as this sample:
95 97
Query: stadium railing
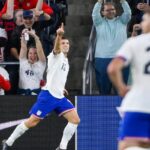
9 63
87 74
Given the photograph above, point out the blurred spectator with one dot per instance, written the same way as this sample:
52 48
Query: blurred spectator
9 26
111 34
4 81
11 5
32 65
28 23
138 7
18 17
60 8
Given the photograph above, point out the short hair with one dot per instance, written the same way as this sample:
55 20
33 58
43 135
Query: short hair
108 3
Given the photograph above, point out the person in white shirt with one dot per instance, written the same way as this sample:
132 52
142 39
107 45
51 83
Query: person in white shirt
4 81
51 98
135 107
32 65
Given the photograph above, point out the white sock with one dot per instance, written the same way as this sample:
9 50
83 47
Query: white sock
137 148
20 130
67 134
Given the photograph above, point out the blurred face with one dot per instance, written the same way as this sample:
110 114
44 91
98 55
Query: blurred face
32 55
28 22
109 11
19 18
65 46
146 23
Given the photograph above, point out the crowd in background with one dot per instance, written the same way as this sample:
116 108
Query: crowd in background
27 33
111 32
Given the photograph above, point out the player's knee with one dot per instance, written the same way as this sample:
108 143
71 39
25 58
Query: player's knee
75 120
30 123
34 123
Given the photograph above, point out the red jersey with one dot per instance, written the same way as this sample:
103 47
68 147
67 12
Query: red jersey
26 5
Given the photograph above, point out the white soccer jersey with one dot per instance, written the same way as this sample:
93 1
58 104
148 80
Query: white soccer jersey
5 74
136 51
30 75
57 73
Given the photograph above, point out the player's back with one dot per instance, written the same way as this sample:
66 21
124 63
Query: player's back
136 51
140 62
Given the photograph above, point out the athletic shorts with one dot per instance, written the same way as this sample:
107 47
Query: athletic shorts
135 125
46 103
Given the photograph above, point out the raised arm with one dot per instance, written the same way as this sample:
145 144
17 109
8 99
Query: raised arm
23 51
60 33
40 51
126 16
96 15
38 11
39 5
8 10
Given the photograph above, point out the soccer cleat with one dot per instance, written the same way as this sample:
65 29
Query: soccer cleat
58 148
5 146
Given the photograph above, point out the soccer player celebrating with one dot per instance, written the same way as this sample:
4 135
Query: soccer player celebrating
135 125
51 98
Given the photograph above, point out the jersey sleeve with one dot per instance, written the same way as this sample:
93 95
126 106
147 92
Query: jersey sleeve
126 52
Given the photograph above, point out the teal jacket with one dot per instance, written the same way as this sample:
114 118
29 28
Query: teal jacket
111 34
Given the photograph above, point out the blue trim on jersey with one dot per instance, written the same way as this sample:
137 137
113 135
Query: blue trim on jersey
46 103
135 125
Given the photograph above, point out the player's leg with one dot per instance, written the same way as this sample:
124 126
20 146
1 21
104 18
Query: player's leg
68 111
31 122
135 132
73 121
39 110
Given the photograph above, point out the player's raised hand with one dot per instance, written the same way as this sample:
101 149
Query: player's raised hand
60 31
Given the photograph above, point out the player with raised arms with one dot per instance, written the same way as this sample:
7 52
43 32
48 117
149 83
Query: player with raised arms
135 108
51 98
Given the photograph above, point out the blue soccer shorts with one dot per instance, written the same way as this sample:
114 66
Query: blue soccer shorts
135 125
46 103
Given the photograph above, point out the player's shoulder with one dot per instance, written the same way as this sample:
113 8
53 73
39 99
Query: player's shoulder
141 37
135 41
52 54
